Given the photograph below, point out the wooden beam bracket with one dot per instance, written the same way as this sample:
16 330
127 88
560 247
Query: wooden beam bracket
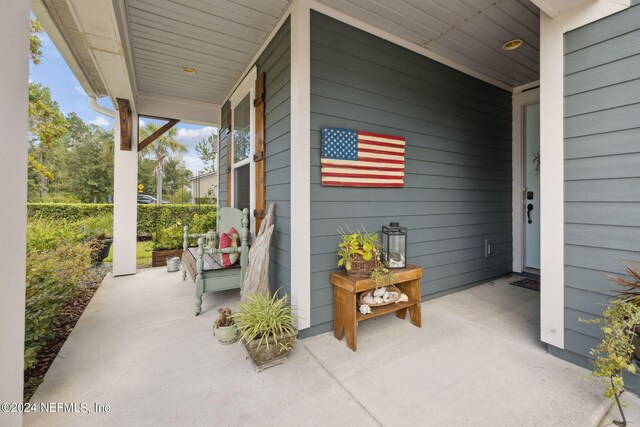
157 134
124 116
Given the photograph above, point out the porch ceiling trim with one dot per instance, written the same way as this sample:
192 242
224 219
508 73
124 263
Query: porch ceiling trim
186 110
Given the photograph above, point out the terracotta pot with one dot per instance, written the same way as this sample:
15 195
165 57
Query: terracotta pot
226 334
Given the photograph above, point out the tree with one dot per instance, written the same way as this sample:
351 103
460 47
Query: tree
83 162
160 151
46 123
207 150
146 175
176 176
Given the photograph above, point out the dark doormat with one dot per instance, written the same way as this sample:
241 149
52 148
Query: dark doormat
534 285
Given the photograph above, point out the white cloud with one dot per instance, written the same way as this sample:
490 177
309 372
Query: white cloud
191 136
193 163
141 123
79 89
100 121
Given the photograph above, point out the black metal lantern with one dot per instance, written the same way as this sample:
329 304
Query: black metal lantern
394 245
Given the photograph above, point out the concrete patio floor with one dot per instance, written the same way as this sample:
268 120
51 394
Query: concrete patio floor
476 361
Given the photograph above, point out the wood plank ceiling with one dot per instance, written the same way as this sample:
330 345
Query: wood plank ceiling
218 38
469 32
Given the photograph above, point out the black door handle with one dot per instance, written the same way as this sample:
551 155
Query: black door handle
529 209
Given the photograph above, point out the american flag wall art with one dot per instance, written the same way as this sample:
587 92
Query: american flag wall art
352 158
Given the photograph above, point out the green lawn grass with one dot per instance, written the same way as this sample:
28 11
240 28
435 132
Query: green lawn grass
143 254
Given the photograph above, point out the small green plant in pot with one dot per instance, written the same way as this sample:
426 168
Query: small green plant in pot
224 328
620 345
98 232
613 356
266 329
359 252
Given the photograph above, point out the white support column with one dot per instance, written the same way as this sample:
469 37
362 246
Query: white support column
14 42
301 161
552 159
125 202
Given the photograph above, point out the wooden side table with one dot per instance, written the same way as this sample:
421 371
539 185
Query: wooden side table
346 315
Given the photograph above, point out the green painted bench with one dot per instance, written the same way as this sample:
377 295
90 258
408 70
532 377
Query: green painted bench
203 263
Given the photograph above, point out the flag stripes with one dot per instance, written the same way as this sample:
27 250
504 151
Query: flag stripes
361 159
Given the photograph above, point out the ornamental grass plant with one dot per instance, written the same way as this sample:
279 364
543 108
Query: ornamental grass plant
263 317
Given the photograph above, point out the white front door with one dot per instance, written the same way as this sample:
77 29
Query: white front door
531 196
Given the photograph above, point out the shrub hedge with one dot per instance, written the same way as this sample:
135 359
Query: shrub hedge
150 217
56 260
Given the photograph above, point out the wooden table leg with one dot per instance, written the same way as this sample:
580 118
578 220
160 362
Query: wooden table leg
349 318
412 290
402 313
415 311
344 316
338 313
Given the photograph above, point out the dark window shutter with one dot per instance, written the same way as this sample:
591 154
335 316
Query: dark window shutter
229 159
259 157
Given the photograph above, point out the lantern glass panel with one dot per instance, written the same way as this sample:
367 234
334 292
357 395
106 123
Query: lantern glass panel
394 241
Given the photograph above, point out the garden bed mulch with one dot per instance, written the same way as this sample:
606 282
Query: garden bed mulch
63 324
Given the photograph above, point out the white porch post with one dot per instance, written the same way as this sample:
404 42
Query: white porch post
125 202
301 161
14 42
552 158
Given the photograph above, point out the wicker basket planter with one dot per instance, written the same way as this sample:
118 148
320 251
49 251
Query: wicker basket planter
361 268
266 357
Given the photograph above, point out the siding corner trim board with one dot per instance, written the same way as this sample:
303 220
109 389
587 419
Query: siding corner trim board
457 190
602 170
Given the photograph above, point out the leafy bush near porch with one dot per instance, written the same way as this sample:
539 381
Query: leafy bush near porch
150 217
44 234
171 236
56 260
69 212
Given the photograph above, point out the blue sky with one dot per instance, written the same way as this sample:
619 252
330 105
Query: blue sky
67 92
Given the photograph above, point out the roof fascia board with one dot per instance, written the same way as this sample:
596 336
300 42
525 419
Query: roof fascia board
42 13
96 21
122 21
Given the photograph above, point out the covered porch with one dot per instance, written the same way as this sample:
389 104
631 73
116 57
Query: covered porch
138 347
477 360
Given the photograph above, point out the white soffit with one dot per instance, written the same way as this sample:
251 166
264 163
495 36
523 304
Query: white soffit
554 8
467 32
216 38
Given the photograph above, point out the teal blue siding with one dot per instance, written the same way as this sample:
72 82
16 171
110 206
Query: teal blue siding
275 62
457 189
602 169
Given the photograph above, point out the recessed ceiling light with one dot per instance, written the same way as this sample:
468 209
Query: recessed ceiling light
512 44
189 71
